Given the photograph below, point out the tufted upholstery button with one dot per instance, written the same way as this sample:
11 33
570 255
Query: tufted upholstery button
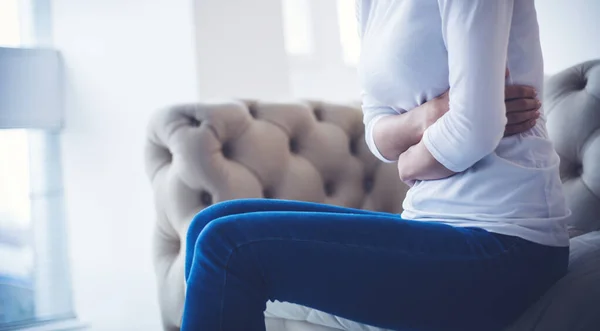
368 184
579 170
318 114
329 189
169 155
206 198
353 146
294 146
226 149
195 122
176 247
268 194
252 112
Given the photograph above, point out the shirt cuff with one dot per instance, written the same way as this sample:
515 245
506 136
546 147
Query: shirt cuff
435 151
371 141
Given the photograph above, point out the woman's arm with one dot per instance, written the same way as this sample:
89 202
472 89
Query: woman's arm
476 35
394 134
387 132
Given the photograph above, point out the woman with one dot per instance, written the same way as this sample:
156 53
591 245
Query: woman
482 234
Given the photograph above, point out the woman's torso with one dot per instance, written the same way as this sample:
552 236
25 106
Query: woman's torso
516 190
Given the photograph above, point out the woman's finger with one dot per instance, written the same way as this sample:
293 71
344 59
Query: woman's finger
519 91
517 105
519 128
516 118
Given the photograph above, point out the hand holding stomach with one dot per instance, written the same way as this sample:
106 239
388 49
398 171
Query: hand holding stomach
522 112
522 108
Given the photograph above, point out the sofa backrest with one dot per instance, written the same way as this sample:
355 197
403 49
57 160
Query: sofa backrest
572 108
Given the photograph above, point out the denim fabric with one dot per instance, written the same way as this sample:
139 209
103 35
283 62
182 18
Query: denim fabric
370 267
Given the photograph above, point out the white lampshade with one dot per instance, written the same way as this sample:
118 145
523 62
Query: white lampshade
31 89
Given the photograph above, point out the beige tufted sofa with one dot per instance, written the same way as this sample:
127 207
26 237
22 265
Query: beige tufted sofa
200 154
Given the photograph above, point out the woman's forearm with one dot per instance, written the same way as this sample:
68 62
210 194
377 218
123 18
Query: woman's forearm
394 134
417 163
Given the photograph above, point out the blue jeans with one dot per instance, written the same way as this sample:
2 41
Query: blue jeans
370 267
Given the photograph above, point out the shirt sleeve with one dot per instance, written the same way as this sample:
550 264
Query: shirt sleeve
371 114
476 34
372 110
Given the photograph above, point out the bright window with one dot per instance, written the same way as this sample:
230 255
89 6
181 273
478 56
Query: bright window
348 31
34 275
10 30
16 252
297 27
15 209
300 36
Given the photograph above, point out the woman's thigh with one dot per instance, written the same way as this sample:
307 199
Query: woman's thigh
243 206
372 268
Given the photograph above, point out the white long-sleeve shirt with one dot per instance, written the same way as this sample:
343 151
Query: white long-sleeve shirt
413 51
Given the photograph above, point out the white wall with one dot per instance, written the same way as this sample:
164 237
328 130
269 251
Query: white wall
569 32
240 49
241 53
124 59
569 35
325 75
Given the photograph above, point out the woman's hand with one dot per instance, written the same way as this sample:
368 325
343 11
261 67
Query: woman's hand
522 109
417 163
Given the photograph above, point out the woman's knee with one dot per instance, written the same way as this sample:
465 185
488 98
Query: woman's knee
227 208
219 210
202 236
210 213
217 239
